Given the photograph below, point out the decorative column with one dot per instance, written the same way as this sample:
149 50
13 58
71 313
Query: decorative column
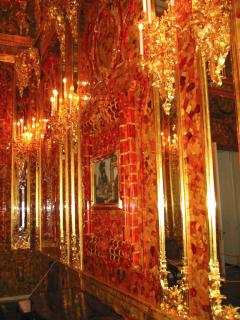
61 207
80 202
86 152
75 254
67 202
192 139
236 58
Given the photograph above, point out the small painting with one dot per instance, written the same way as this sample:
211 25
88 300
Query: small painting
105 181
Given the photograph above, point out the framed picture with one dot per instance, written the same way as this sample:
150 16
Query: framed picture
104 184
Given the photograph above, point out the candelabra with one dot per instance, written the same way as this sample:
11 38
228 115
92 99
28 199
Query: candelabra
210 23
27 135
65 111
158 41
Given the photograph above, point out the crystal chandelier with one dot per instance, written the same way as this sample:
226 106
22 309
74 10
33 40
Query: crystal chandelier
158 41
28 134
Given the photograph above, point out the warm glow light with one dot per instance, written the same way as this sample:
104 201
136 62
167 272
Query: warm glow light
28 135
140 27
84 83
149 11
64 87
85 97
23 209
144 4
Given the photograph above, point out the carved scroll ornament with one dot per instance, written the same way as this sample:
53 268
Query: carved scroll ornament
27 61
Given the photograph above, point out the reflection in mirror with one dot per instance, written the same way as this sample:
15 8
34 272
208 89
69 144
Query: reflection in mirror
160 6
49 194
21 203
227 182
171 183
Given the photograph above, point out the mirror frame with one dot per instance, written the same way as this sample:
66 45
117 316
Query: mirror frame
217 308
173 298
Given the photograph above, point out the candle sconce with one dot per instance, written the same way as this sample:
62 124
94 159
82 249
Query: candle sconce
27 136
158 42
65 111
210 24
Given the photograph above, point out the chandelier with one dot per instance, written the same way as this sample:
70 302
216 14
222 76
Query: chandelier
158 41
28 134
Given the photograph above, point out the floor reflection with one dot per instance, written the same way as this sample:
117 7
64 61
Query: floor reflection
71 304
231 287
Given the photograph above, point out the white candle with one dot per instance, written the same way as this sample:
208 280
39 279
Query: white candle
149 11
18 129
23 209
144 6
33 123
70 101
64 87
21 127
171 3
140 27
55 94
52 105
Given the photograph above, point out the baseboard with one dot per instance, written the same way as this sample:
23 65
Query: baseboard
122 303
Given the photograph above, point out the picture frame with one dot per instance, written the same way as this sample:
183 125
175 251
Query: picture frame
105 181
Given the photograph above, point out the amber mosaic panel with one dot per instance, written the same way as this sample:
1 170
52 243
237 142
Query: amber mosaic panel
193 142
6 116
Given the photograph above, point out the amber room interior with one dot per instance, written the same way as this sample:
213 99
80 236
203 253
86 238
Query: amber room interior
119 159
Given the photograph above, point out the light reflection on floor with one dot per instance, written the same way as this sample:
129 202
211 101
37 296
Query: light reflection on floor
71 304
231 287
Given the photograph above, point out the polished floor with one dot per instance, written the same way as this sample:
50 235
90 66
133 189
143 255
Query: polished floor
75 304
65 305
231 286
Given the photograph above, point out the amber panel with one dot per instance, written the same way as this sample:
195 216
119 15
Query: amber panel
6 116
194 166
120 244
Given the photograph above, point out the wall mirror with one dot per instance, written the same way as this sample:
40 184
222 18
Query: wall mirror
171 187
171 211
160 6
20 225
223 122
172 220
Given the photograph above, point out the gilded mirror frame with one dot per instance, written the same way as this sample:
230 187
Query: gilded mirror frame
175 298
218 310
20 192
